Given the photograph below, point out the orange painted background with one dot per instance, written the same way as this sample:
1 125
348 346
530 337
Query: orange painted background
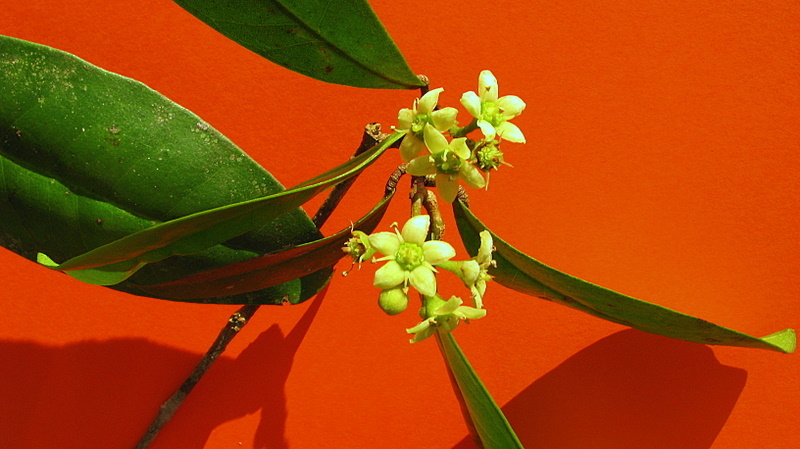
662 161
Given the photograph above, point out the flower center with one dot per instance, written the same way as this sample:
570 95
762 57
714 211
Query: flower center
492 113
419 124
409 256
447 162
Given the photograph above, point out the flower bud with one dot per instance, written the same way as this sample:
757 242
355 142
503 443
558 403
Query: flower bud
393 300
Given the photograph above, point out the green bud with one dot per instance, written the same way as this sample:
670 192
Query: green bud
393 301
489 156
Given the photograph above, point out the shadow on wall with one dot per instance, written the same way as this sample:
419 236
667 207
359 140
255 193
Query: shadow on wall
104 394
629 390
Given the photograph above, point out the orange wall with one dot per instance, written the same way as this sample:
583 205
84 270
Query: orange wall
662 162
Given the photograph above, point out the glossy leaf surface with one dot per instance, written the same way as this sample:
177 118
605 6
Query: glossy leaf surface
88 157
340 41
270 269
488 421
202 230
520 272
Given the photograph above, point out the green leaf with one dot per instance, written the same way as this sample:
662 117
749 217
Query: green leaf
487 420
270 269
341 41
202 230
88 157
520 272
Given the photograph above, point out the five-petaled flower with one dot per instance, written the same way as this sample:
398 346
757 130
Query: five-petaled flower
493 113
449 162
409 258
445 315
413 121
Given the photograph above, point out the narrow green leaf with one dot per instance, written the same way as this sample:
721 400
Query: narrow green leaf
202 230
270 269
520 272
88 157
488 421
341 41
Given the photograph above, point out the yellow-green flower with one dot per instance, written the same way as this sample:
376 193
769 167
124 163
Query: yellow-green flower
409 258
423 113
449 162
445 314
493 113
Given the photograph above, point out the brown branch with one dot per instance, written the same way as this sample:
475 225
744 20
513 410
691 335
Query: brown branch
235 323
371 137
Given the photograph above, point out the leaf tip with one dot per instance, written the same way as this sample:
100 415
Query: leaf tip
43 259
785 340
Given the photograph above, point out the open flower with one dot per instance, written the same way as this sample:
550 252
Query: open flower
413 121
449 162
445 314
409 258
493 113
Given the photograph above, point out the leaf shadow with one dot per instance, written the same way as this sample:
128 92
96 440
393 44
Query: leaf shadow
628 390
105 393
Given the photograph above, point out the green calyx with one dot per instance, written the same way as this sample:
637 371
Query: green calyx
409 256
447 162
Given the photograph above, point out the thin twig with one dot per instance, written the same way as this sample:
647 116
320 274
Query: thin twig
235 323
391 183
437 222
371 137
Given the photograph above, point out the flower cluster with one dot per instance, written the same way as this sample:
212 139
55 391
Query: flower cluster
459 159
411 261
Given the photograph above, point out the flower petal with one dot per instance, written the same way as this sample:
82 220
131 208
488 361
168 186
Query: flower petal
385 243
487 86
450 306
423 279
428 101
484 256
410 147
510 132
437 251
421 326
470 313
421 166
421 331
472 176
472 103
460 148
448 187
389 276
487 129
444 118
470 270
405 118
434 140
416 229
510 106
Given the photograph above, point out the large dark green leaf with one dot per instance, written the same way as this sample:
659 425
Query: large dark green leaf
116 261
486 420
270 269
337 41
88 157
522 273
